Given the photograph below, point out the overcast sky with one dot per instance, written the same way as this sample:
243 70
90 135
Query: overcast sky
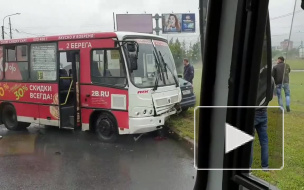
52 17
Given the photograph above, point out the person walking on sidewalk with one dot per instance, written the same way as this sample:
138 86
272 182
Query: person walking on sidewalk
280 74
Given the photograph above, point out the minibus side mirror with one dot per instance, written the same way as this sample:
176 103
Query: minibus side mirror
133 62
131 47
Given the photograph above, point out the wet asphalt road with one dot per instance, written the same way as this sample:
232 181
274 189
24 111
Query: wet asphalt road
49 158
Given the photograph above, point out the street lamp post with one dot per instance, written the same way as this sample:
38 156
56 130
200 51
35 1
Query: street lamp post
3 23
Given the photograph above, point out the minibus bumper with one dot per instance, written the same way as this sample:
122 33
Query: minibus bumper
148 124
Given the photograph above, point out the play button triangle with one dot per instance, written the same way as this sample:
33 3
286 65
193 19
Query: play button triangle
235 138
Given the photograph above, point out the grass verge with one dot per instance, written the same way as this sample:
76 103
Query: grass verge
291 177
296 64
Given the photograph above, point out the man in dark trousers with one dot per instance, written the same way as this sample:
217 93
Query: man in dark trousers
280 74
261 118
188 71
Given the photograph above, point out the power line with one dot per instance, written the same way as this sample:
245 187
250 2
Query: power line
286 15
274 35
27 33
279 34
300 25
19 31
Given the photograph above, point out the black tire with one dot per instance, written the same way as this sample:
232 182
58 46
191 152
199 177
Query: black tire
106 128
160 132
9 118
24 125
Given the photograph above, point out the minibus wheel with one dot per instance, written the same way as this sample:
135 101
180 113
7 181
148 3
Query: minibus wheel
9 117
24 125
106 128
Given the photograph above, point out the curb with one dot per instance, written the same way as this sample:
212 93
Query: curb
177 135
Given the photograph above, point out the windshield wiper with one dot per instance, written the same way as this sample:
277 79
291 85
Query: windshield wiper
166 66
158 71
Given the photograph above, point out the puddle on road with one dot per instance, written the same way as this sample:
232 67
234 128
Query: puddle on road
17 144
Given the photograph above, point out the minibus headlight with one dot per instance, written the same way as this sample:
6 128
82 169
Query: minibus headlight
143 111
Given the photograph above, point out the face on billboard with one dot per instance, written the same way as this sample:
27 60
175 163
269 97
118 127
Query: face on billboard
172 21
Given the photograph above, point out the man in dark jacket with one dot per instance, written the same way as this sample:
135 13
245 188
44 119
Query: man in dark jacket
188 71
280 74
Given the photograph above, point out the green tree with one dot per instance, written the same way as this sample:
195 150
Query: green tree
178 53
171 42
184 49
196 52
189 52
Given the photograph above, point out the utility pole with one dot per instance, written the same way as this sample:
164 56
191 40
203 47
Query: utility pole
302 48
114 20
10 26
3 22
157 29
2 32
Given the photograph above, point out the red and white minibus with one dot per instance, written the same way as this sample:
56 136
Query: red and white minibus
112 83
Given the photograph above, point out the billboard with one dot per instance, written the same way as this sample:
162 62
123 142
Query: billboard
178 23
142 23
